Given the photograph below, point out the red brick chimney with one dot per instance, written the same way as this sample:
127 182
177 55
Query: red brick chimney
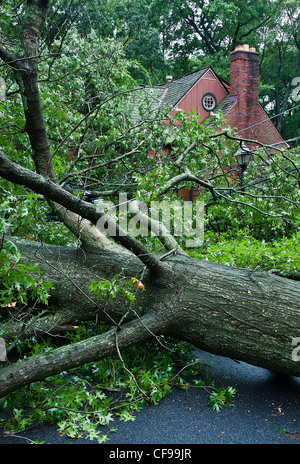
244 71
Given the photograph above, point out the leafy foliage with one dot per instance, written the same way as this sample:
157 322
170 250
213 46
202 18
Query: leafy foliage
20 283
101 134
87 399
222 398
279 256
86 402
25 215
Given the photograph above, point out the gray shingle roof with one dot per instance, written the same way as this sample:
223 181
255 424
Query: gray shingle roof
169 94
178 88
226 104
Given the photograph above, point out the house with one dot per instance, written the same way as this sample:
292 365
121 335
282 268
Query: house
204 91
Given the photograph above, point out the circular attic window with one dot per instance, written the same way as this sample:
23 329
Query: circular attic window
209 101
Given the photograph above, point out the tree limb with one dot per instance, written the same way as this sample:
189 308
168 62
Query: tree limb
23 176
39 367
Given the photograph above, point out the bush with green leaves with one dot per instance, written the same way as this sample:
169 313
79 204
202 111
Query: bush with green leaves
280 256
20 283
269 208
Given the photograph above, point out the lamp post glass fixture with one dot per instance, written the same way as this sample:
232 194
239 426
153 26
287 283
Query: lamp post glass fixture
243 156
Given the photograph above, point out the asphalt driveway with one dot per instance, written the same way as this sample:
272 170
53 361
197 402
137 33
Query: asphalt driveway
266 404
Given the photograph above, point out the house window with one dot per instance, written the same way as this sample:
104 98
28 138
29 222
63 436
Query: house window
209 101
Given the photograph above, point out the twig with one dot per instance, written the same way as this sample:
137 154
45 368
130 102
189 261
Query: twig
127 370
79 289
150 332
181 370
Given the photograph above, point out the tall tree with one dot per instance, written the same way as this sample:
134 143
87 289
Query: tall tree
206 28
248 315
280 66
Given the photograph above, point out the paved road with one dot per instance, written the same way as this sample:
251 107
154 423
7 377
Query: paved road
264 403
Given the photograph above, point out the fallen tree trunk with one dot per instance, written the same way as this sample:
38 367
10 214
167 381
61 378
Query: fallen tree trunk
247 315
250 316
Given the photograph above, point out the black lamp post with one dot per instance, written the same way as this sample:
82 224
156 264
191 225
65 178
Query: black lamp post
243 156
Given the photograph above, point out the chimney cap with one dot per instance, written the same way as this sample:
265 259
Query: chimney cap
245 47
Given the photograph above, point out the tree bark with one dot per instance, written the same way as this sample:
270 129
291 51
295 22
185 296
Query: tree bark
251 316
93 349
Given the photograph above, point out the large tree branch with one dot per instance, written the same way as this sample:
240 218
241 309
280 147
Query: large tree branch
6 56
26 77
67 357
157 227
89 235
35 16
43 185
187 176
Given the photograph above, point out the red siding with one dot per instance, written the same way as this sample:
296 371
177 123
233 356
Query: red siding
245 115
192 100
189 194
